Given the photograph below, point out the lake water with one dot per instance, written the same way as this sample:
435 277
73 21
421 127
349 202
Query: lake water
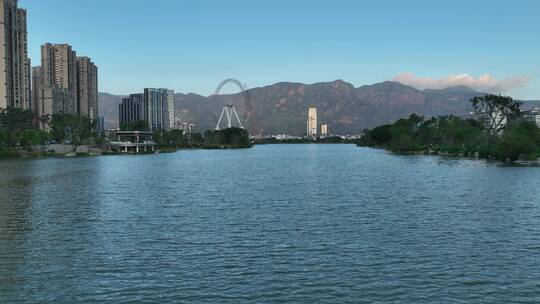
272 224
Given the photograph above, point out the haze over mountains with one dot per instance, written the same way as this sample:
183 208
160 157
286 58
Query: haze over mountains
281 108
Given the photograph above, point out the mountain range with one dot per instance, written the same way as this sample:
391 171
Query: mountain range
282 108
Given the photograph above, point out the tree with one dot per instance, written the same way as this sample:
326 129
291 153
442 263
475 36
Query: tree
379 136
228 137
44 120
72 128
447 133
519 138
13 121
197 139
174 138
454 133
498 108
4 142
58 125
32 137
234 137
137 125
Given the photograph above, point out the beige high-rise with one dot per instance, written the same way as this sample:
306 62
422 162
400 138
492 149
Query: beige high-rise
59 77
87 78
65 83
14 61
47 100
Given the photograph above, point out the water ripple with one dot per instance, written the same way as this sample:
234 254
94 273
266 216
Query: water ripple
273 224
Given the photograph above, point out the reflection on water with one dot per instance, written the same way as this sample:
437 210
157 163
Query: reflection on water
276 223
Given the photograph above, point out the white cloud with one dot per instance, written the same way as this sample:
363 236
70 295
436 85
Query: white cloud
485 83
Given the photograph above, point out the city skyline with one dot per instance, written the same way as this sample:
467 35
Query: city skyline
488 46
171 151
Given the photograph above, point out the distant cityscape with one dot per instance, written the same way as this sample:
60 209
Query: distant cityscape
67 82
313 126
169 151
65 87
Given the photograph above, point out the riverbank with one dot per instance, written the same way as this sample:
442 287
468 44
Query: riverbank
24 154
519 141
11 154
461 155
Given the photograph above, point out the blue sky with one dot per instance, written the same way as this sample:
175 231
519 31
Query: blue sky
190 46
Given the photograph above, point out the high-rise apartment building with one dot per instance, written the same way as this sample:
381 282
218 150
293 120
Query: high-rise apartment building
160 108
87 90
36 87
131 109
14 62
59 77
312 122
47 100
65 83
100 128
155 106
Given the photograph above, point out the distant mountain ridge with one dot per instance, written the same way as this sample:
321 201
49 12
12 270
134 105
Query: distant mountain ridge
281 108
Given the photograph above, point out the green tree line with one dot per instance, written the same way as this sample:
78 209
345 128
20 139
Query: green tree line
228 138
505 136
19 128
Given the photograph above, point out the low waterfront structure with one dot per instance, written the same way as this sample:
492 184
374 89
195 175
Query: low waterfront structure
532 115
486 119
132 142
187 127
285 137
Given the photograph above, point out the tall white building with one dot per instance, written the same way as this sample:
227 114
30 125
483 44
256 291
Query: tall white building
312 122
324 130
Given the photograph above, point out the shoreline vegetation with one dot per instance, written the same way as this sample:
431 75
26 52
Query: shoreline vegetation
22 135
502 135
174 140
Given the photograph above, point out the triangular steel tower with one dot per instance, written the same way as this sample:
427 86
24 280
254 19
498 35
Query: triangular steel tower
230 114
